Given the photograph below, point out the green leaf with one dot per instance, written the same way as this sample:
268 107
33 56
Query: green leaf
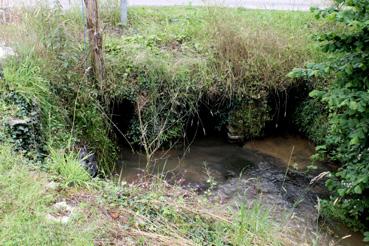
315 93
358 189
355 140
366 236
341 192
354 105
348 69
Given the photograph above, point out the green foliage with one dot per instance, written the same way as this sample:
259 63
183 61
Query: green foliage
24 205
91 127
164 95
171 59
366 237
51 75
160 209
24 79
68 167
21 124
347 100
250 222
249 119
310 117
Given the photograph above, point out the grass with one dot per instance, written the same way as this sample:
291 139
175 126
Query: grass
166 62
24 204
68 167
149 212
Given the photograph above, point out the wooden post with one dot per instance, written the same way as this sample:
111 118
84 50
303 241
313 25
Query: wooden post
95 39
123 12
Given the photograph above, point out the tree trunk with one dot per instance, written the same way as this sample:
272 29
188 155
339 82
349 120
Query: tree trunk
95 39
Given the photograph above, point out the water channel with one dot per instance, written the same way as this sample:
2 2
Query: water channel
274 170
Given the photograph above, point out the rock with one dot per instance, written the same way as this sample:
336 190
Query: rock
5 52
12 122
88 161
62 214
233 136
52 186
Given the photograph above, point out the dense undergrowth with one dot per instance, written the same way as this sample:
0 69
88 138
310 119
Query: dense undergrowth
168 63
346 101
104 213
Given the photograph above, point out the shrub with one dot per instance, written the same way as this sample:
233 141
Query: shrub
347 100
310 118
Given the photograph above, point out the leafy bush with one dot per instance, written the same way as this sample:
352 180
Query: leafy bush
347 100
310 118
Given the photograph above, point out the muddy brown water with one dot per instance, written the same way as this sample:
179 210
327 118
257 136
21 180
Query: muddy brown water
273 170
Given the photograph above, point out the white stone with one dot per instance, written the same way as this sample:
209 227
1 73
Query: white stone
5 52
52 185
63 219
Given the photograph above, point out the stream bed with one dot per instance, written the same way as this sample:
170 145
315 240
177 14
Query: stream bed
273 171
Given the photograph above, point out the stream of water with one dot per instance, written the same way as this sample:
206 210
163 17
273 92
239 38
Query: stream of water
273 170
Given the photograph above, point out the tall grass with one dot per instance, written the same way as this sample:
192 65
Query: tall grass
24 204
252 224
67 166
50 71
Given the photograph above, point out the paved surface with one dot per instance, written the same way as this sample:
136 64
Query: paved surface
252 4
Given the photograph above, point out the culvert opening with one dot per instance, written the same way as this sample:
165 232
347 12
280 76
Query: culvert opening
204 150
208 120
283 107
121 112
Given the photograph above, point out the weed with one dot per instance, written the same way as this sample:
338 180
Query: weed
68 167
24 204
250 222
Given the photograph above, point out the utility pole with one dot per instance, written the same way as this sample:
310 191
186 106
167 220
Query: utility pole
124 12
95 39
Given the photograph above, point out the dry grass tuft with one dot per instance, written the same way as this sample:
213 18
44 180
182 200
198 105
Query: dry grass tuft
252 59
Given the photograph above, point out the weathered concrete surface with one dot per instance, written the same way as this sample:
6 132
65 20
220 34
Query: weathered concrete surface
252 4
